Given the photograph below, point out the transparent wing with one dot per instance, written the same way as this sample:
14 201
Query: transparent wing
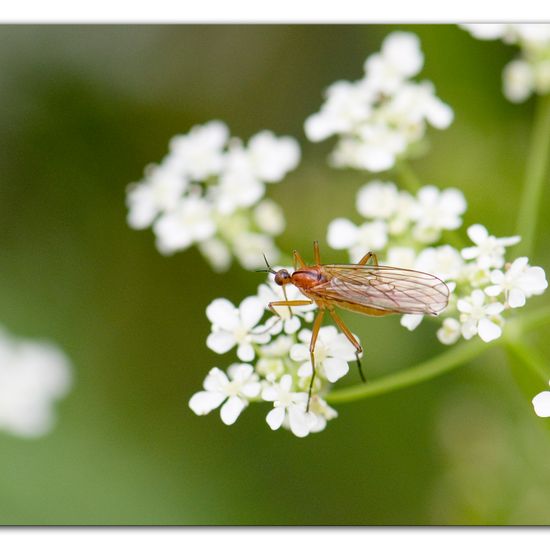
385 288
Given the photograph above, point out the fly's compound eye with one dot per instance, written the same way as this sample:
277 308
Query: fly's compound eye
282 277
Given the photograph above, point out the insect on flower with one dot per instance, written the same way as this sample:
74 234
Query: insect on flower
374 290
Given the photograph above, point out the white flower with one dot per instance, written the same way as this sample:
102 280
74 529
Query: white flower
489 250
344 234
234 327
518 282
289 316
160 192
438 210
401 256
400 58
449 332
272 157
189 222
477 317
287 405
199 154
32 376
378 199
444 262
271 364
319 413
346 103
269 217
234 392
217 253
411 320
518 80
541 404
249 249
485 31
332 353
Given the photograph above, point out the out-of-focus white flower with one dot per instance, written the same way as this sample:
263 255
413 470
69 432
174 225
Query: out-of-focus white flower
438 210
160 192
489 251
443 261
531 71
287 404
269 217
271 157
518 282
191 221
250 247
541 404
450 331
478 317
33 375
401 256
234 327
411 320
199 154
378 199
208 192
234 392
379 116
332 353
518 80
358 240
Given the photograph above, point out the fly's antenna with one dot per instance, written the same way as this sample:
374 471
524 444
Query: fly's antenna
269 268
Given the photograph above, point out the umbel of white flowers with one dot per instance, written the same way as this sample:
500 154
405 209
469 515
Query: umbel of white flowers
32 376
380 116
530 72
209 191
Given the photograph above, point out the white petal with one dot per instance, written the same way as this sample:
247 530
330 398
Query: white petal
477 233
223 313
245 352
231 410
270 393
251 311
411 320
298 421
335 368
221 341
341 233
541 403
299 352
252 389
488 330
493 290
275 417
203 402
292 325
516 298
215 381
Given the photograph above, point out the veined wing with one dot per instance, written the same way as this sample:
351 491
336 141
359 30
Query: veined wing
385 288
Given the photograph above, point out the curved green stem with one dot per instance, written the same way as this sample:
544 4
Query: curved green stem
537 165
440 364
530 358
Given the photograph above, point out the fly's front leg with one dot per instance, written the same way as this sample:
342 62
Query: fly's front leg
351 338
314 334
367 257
289 303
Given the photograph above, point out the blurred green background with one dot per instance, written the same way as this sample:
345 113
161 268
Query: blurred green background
84 109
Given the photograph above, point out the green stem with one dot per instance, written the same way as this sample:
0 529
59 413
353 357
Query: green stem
530 358
407 176
537 164
440 364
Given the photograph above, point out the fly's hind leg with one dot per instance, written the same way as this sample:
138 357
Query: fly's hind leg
351 338
367 257
314 334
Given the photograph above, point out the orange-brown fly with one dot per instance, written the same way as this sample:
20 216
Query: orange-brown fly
367 289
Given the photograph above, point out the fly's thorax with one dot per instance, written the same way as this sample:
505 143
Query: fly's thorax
308 277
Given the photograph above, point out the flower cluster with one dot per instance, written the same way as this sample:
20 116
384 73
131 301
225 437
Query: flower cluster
32 376
530 72
274 362
209 191
407 232
380 116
